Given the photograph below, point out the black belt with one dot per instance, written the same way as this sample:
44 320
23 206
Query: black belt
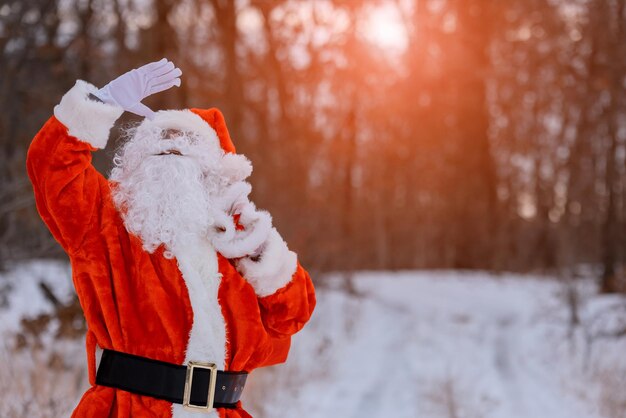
198 386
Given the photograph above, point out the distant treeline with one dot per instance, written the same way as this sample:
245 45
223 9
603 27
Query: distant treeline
492 134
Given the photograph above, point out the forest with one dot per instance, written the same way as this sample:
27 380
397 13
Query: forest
384 134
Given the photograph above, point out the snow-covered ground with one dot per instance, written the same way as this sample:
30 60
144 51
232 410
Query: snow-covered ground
40 376
449 345
428 344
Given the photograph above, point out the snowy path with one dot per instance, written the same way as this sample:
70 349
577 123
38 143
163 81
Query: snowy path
444 346
437 344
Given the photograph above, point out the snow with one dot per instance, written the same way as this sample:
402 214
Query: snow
26 300
47 379
441 344
433 344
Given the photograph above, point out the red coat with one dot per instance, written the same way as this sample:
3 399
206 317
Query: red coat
141 303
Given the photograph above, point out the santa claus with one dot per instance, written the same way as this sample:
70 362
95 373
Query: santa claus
186 287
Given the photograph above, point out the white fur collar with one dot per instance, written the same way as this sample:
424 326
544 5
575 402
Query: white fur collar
198 263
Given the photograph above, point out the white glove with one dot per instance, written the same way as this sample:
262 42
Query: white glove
234 243
129 89
272 268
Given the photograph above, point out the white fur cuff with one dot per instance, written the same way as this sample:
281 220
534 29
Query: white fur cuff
86 119
274 269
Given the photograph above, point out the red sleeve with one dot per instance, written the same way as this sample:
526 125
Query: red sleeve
67 187
287 310
284 289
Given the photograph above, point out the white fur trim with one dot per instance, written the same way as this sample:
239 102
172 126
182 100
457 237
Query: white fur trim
184 120
86 119
234 243
245 242
275 268
235 167
197 262
234 197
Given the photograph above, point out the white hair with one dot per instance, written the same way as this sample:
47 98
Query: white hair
166 198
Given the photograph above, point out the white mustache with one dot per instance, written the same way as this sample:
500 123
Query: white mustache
166 200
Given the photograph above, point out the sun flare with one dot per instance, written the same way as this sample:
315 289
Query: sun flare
383 27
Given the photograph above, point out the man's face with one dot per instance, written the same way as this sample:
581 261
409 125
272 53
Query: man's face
166 181
172 134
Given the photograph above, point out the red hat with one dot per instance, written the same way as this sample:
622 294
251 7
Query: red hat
215 119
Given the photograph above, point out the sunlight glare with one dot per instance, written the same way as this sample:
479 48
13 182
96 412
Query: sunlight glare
383 27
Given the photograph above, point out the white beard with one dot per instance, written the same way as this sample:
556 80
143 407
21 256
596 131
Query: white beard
167 199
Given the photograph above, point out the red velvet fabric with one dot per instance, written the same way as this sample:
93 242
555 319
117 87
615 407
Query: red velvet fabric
137 302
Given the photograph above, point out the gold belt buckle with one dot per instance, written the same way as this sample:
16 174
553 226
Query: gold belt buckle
188 381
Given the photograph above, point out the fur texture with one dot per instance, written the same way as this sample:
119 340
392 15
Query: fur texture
236 167
253 225
184 120
274 269
166 198
87 119
197 261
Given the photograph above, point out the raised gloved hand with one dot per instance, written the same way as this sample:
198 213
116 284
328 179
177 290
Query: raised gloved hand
129 89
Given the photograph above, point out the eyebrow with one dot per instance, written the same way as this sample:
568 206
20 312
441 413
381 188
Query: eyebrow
168 133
